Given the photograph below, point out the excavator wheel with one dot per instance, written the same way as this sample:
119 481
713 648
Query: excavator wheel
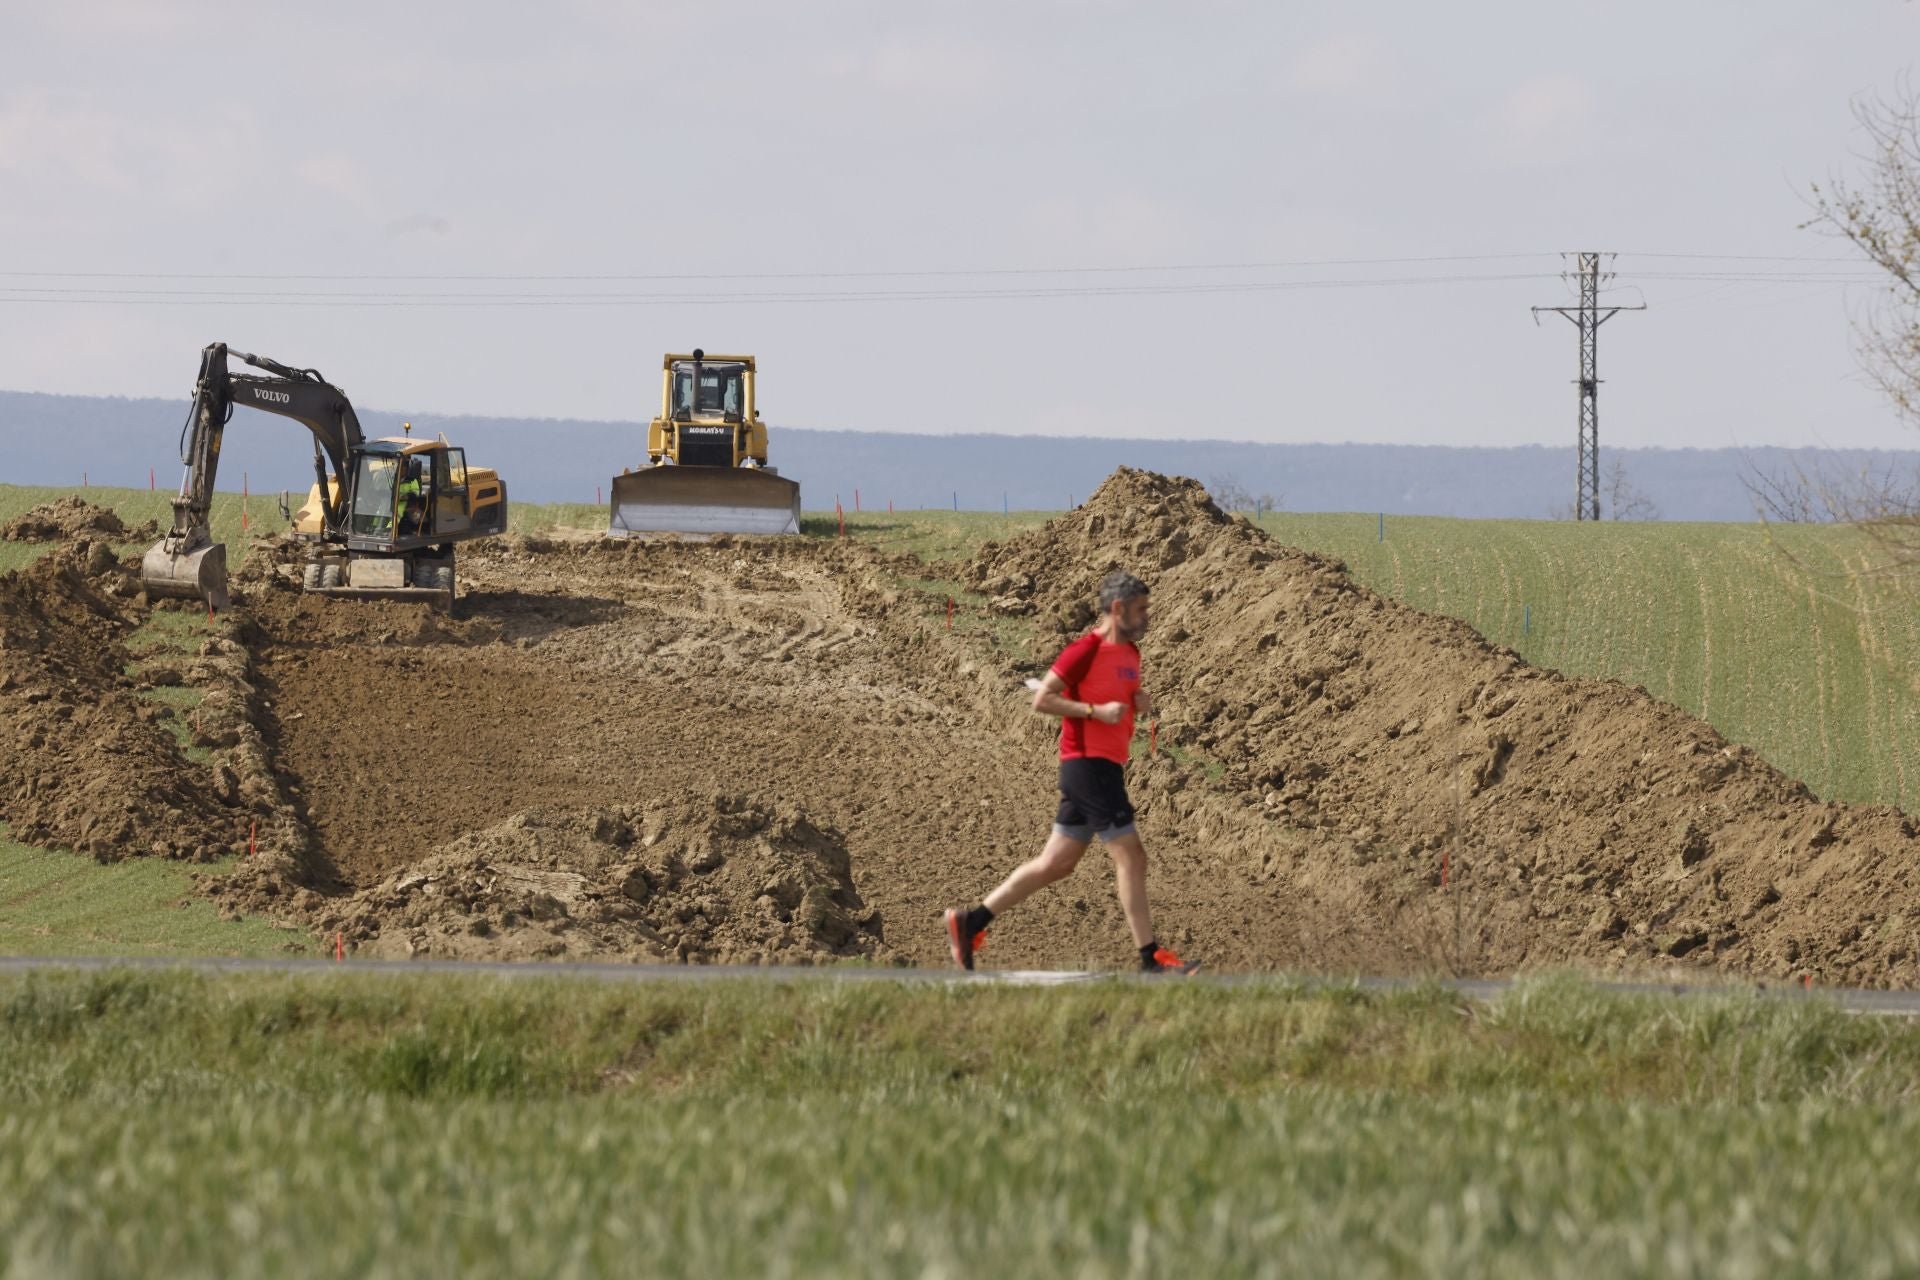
330 575
433 576
310 578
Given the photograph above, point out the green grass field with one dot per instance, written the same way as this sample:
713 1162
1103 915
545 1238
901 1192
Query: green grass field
379 1125
55 903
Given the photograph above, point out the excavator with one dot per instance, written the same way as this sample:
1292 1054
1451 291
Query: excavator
706 466
383 515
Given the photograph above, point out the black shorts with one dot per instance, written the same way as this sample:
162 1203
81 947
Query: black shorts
1093 801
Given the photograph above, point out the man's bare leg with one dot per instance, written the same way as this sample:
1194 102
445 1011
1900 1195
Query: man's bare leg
1055 862
1130 873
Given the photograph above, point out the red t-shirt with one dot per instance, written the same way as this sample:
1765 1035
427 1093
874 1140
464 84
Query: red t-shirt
1095 671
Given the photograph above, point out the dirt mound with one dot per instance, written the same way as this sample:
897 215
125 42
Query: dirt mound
88 763
1573 820
70 518
711 880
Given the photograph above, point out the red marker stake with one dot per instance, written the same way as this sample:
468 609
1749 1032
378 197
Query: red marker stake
949 613
856 500
149 479
1153 737
1444 855
841 516
339 948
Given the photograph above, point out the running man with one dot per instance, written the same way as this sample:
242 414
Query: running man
1094 688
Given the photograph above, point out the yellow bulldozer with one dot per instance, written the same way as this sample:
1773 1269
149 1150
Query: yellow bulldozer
383 516
706 466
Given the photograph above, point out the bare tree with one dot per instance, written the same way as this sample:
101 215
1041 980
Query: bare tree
1878 213
1624 499
1882 503
1230 495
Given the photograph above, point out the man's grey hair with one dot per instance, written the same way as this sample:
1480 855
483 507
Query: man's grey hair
1120 586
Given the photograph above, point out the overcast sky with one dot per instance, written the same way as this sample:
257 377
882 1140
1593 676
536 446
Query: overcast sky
810 151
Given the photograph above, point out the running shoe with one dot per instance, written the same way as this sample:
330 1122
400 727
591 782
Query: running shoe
959 942
1164 961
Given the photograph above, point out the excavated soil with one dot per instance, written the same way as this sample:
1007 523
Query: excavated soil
773 750
88 764
710 878
1576 820
68 518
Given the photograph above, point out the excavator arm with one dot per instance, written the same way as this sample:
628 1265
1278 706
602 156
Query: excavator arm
187 562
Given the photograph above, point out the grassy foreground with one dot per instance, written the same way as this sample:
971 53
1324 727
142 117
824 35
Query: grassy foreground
57 903
370 1125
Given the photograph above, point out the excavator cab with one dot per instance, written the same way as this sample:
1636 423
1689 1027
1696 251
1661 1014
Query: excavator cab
376 491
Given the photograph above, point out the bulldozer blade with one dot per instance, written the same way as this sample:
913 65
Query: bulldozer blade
200 572
703 500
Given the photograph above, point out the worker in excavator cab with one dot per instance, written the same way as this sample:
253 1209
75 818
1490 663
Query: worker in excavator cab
413 503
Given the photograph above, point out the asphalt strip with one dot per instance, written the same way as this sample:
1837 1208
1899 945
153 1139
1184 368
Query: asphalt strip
1886 1003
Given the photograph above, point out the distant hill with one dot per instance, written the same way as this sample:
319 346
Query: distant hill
48 439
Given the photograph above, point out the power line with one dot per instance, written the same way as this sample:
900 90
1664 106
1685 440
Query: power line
792 275
926 273
162 297
132 296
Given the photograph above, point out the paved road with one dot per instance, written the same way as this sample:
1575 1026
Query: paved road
1893 1003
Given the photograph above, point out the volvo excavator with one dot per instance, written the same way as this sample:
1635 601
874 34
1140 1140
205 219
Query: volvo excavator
706 466
383 515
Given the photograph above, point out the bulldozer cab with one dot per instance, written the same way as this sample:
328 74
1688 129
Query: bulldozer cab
713 391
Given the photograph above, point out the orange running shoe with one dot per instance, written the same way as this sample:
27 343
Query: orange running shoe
962 944
1164 961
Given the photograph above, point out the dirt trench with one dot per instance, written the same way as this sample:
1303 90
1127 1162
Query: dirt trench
583 680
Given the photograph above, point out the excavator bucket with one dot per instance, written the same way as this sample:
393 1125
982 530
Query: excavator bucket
197 569
669 499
